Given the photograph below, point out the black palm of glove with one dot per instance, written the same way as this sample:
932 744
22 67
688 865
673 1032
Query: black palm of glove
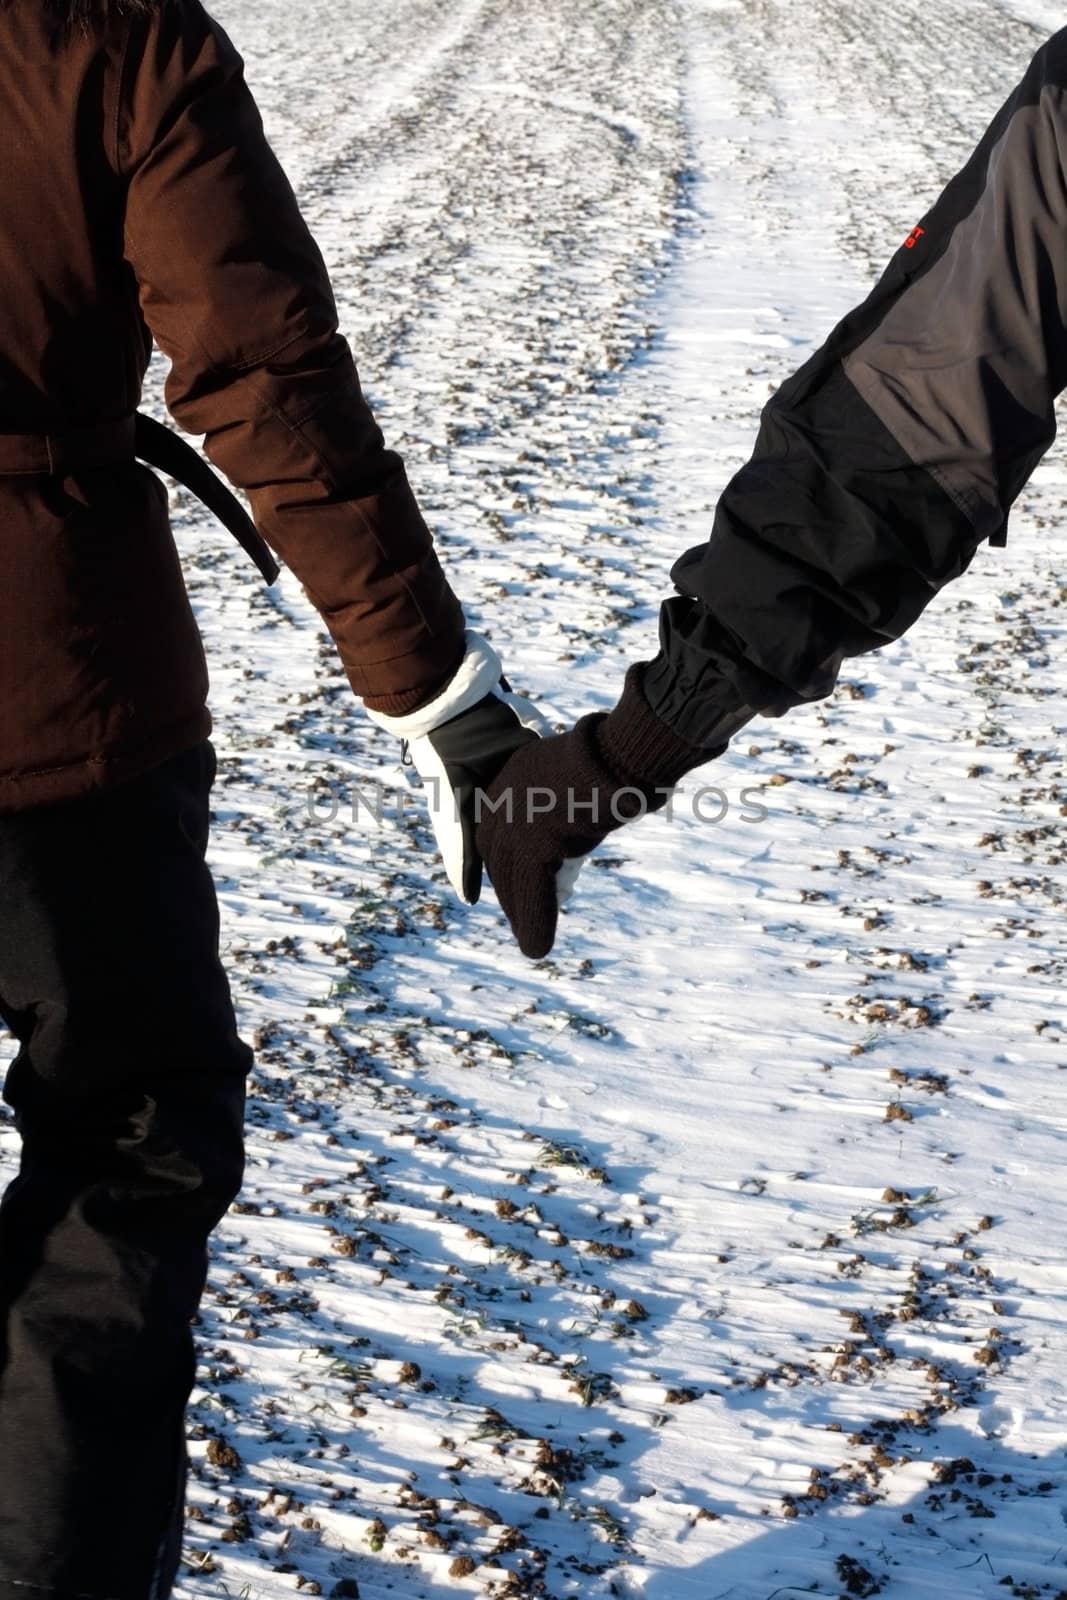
558 797
472 749
457 742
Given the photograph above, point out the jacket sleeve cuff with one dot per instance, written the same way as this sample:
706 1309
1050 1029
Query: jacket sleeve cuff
478 674
405 700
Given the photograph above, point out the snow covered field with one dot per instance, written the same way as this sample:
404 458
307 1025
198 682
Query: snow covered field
721 1254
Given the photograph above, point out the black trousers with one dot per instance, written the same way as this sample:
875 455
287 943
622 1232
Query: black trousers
128 1091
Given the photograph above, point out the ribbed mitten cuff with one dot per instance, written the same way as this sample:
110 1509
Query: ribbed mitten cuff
641 748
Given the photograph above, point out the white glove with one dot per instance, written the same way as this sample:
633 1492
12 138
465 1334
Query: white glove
457 744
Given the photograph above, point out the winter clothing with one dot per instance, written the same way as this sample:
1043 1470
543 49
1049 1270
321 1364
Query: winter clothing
128 1091
457 743
882 464
560 797
879 468
109 443
159 447
142 198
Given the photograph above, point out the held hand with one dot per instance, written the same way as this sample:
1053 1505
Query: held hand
550 805
458 743
557 798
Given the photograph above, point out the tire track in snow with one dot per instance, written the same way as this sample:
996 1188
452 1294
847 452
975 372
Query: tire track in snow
352 72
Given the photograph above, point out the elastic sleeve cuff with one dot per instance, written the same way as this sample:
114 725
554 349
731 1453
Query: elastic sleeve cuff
639 747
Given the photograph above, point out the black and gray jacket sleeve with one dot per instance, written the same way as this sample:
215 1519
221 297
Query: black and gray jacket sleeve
900 445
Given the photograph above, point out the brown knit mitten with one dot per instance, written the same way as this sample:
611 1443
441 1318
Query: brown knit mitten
557 798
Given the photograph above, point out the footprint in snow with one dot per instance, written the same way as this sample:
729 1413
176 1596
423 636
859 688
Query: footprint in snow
998 1422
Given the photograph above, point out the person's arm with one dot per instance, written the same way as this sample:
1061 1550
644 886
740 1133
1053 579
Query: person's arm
234 289
885 461
878 469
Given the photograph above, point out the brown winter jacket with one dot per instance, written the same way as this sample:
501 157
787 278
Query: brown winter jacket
138 197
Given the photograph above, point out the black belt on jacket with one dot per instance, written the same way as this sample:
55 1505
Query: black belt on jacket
140 437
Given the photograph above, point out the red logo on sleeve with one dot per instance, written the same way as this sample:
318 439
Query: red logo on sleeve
913 238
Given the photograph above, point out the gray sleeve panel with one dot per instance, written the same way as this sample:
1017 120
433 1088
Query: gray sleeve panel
965 366
883 463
